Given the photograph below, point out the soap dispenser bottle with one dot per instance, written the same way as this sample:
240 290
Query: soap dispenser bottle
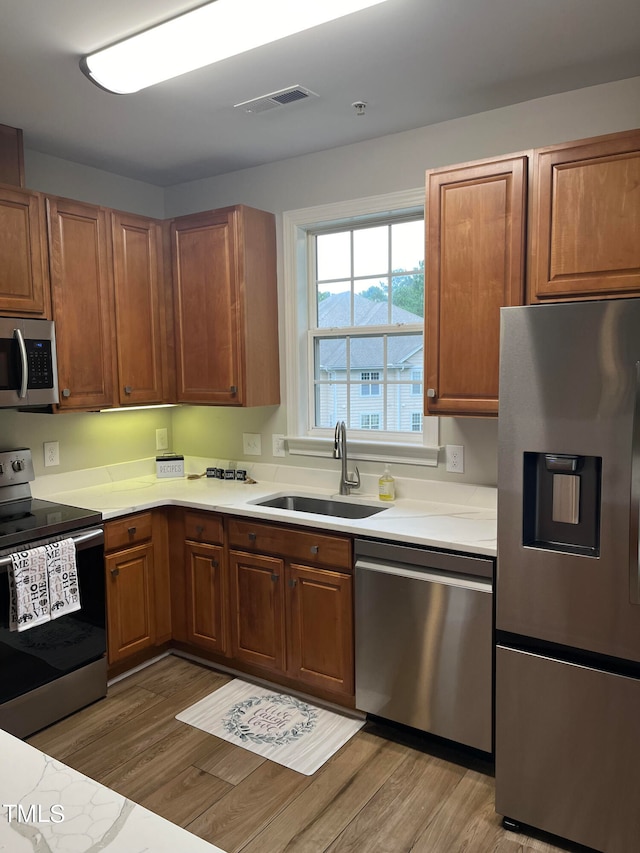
386 486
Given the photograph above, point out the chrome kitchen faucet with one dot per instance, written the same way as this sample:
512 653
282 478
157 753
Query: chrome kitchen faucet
340 452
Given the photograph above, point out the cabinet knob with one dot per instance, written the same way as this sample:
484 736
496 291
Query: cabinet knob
214 564
292 582
199 529
233 389
66 392
314 549
128 389
131 530
274 577
115 572
252 537
431 392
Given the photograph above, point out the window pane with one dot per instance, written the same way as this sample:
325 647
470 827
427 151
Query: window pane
333 255
371 250
371 302
407 245
334 305
330 404
407 295
331 359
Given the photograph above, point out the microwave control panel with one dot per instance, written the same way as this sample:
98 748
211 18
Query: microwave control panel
40 363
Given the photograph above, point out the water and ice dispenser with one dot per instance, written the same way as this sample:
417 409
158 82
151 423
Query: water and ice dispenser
561 498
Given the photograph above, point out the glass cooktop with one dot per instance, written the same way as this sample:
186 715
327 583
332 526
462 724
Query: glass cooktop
25 521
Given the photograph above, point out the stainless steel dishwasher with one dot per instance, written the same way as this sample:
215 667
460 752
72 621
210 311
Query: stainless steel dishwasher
424 639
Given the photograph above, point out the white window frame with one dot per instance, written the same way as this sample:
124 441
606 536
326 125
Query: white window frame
370 415
370 379
414 448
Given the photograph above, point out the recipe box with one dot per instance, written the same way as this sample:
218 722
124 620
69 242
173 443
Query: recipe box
171 465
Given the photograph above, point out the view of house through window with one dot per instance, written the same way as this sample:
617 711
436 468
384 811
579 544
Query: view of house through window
367 333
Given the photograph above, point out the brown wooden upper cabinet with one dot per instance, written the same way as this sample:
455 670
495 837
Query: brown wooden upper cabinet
225 302
24 285
11 156
82 299
475 250
585 230
142 331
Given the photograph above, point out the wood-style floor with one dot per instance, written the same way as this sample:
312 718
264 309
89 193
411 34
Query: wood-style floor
385 791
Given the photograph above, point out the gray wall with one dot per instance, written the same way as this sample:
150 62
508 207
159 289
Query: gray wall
388 164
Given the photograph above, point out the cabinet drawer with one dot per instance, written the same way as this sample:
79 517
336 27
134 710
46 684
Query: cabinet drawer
311 548
203 527
127 531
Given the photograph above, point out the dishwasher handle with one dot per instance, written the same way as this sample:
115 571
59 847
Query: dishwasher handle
403 571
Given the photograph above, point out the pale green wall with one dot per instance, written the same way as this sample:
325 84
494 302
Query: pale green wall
86 440
387 164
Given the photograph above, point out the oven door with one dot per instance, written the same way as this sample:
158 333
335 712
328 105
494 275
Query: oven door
41 655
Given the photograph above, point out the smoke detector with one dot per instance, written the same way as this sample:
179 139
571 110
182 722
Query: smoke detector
281 98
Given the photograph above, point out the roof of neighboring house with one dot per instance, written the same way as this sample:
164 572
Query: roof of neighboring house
335 312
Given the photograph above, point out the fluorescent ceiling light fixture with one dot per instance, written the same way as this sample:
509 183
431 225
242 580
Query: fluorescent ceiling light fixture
205 35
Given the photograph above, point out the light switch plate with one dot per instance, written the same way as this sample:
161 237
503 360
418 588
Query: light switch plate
277 443
251 444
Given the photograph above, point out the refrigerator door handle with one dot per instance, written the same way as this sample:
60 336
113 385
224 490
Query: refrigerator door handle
634 515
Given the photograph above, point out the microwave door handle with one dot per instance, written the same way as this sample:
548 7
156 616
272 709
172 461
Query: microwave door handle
634 508
22 393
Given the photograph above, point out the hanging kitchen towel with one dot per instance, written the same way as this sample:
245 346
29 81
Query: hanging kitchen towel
64 593
29 589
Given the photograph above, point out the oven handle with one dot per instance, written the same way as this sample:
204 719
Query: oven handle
87 536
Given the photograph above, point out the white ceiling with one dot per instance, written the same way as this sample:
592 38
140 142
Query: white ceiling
415 62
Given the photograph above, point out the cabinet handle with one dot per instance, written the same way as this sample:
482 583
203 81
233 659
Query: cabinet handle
274 577
431 392
214 564
292 582
115 572
128 389
131 530
252 537
66 392
314 549
199 529
234 389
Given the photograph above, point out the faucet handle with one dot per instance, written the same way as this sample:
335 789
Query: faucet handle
355 483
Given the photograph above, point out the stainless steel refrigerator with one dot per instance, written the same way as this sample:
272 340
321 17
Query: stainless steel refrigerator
567 743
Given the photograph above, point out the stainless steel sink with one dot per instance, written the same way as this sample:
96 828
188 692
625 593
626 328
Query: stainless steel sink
322 506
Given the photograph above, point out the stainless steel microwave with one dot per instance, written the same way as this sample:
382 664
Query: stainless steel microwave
28 366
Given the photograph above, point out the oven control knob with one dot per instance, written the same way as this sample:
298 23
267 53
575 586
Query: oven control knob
18 465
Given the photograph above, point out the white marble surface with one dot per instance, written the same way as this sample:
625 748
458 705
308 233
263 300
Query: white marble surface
93 817
459 517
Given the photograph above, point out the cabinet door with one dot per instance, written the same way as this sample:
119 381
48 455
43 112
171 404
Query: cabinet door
82 297
130 603
257 610
139 308
207 309
475 265
586 219
321 628
206 596
23 283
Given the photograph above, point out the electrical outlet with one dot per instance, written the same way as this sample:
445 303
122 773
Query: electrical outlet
51 453
251 444
454 454
162 440
277 442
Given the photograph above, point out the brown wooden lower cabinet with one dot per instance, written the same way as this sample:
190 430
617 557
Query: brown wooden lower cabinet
130 602
321 628
257 610
137 582
206 595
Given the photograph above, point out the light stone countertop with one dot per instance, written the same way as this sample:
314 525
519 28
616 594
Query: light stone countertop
94 817
452 516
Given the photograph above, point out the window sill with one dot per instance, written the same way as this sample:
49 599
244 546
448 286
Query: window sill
378 451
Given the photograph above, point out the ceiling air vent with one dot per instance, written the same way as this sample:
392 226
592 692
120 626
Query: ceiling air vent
281 98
